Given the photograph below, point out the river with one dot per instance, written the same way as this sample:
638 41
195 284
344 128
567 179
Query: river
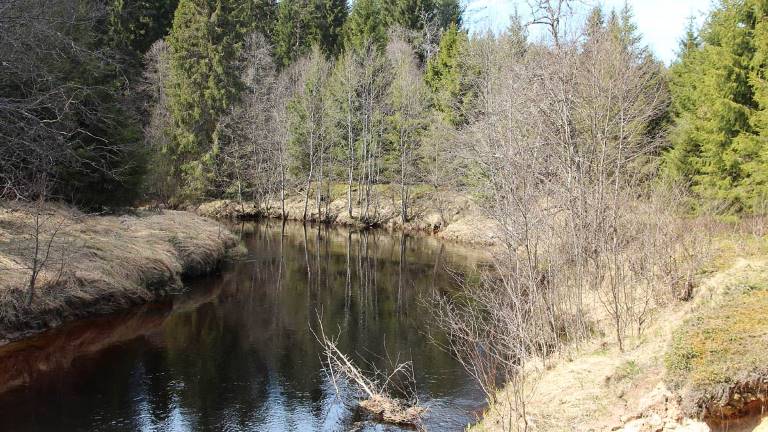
235 351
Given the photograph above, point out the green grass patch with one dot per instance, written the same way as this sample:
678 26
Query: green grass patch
722 346
627 371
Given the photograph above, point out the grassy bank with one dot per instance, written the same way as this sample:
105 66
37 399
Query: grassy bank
700 366
448 215
84 265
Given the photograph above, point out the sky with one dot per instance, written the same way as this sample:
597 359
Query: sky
662 22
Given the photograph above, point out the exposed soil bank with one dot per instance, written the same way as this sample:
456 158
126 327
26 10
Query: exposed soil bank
90 265
445 214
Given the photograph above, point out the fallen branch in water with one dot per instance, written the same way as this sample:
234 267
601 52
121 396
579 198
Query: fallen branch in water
378 402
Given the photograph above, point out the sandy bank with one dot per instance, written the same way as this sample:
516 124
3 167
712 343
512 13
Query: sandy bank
89 265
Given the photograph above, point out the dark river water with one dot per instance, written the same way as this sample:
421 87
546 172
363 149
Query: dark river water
235 351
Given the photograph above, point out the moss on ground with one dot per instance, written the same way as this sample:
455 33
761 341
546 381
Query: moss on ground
722 349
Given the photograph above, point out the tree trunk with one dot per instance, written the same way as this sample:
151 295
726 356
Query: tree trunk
309 177
35 259
403 187
351 156
319 192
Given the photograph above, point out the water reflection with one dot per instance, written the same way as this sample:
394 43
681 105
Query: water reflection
236 353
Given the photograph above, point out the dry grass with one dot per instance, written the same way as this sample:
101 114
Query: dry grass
595 387
97 264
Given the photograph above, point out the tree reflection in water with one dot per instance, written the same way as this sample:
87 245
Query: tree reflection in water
236 353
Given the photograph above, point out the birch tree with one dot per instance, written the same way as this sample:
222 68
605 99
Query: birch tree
407 101
307 125
344 108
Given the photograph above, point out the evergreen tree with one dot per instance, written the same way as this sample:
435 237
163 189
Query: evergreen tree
366 24
622 26
332 15
751 147
627 31
423 21
304 23
257 16
595 22
713 102
206 42
445 76
134 25
516 35
410 14
690 42
449 12
296 30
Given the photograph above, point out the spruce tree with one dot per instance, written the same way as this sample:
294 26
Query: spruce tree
263 17
206 42
332 14
423 21
516 36
627 31
713 102
448 12
690 42
296 30
134 25
751 147
445 76
366 25
595 22
410 14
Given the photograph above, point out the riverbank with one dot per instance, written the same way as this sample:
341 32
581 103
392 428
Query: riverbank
447 215
701 366
77 265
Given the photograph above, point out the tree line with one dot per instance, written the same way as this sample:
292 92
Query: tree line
110 102
321 95
114 102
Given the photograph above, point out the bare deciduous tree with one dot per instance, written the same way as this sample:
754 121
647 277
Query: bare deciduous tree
251 151
157 129
42 109
407 99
